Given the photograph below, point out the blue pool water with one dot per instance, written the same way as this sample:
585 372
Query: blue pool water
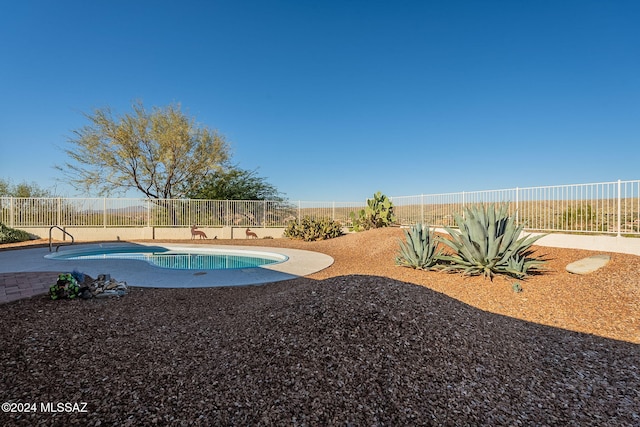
178 259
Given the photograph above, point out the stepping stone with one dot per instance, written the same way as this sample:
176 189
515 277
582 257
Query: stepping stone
589 264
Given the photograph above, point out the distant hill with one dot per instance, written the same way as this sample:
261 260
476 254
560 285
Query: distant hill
127 210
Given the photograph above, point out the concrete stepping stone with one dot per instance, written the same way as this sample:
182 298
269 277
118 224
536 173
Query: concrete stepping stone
589 264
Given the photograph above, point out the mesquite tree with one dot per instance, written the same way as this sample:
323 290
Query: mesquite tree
155 152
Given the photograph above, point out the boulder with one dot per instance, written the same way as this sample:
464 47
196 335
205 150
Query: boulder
589 264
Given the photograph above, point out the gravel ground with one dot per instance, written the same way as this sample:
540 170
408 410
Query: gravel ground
361 343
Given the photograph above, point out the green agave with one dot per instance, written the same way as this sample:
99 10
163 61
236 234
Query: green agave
488 242
420 250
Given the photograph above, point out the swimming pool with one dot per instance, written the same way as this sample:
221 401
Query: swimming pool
178 258
143 274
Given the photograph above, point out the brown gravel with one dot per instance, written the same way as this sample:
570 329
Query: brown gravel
362 343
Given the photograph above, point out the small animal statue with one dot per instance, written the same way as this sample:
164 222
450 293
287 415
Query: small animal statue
195 233
250 234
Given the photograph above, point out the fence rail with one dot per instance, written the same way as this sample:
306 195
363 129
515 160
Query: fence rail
606 208
107 212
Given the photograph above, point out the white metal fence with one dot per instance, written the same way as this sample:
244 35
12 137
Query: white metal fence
606 207
106 212
609 207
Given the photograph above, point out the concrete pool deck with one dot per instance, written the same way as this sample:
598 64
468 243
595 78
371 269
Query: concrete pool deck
143 274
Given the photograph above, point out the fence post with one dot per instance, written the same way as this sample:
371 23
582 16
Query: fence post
104 212
299 210
12 212
264 213
517 210
422 209
58 213
147 202
619 206
333 211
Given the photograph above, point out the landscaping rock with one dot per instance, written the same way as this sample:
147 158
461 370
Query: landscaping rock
361 343
589 264
103 287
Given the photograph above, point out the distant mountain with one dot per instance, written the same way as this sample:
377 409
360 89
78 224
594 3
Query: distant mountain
128 210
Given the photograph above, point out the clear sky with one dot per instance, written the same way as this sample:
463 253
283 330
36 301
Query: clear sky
335 100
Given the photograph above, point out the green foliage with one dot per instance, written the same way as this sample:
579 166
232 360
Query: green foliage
420 250
488 243
23 189
311 229
581 218
155 152
66 287
233 184
378 213
12 235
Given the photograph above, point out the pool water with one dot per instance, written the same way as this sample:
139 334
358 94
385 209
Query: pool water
178 259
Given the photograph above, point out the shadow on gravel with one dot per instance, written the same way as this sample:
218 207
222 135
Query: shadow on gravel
350 350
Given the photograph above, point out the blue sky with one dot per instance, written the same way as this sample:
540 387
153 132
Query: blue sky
335 100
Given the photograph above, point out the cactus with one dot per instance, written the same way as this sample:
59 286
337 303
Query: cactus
311 229
378 213
488 243
420 250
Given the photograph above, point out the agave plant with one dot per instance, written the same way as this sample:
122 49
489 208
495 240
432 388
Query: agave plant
420 250
488 242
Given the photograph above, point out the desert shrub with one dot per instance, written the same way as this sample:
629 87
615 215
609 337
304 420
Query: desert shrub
12 235
488 242
579 218
378 213
420 248
310 229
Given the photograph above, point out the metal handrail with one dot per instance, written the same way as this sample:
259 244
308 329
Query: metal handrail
64 231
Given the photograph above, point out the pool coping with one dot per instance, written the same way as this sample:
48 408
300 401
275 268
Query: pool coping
142 274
